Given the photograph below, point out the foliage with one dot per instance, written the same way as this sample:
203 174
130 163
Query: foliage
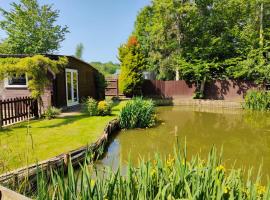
52 112
255 67
90 106
138 113
79 51
132 63
94 108
204 40
173 177
4 48
101 85
198 95
257 100
104 108
106 69
31 28
36 68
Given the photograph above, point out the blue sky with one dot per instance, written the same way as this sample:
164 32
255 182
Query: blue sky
101 25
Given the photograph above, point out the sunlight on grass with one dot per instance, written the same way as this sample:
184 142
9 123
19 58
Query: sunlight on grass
48 138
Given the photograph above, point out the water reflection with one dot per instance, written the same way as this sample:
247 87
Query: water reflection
244 136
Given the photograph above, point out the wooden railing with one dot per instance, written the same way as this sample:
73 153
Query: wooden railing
17 109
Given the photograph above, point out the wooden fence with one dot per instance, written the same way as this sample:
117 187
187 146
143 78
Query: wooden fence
17 109
112 89
230 90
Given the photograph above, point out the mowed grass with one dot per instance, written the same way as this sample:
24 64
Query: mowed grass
20 146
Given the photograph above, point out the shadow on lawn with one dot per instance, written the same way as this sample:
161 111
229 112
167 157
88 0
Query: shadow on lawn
66 120
69 120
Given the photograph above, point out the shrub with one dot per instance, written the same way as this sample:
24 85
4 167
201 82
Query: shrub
173 177
138 113
104 108
257 100
94 108
101 84
198 95
90 106
52 112
132 64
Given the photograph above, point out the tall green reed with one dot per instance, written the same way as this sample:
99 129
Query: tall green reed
137 113
257 100
173 177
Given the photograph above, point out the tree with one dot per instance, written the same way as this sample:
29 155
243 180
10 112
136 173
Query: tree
132 63
203 40
4 49
31 28
106 69
79 50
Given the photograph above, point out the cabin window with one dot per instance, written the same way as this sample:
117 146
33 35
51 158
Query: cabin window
16 81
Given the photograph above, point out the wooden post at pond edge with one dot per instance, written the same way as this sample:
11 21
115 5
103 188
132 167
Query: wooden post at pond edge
1 114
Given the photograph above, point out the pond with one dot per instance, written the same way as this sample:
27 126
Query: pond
244 137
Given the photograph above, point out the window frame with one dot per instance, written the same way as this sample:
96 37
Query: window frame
7 85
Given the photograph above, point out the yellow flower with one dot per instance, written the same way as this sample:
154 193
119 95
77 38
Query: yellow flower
153 172
93 182
226 190
102 105
261 189
220 168
170 161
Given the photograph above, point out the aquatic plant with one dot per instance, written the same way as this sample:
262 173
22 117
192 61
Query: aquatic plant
138 113
257 100
173 177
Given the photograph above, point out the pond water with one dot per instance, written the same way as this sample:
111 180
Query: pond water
244 137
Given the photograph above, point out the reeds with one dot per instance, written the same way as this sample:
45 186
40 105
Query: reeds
257 100
173 177
137 113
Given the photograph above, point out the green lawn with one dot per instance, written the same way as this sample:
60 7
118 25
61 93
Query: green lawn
48 138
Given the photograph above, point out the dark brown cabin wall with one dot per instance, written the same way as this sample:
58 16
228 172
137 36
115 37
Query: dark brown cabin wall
86 82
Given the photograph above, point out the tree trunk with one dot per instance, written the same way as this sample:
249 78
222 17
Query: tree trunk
177 75
261 26
202 86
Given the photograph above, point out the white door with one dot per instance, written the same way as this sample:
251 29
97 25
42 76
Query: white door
72 87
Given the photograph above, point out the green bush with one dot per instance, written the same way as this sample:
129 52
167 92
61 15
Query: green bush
257 100
198 95
132 64
52 112
94 108
101 84
90 106
104 108
138 113
173 177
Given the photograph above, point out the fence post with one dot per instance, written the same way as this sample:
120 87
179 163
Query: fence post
117 89
35 108
1 114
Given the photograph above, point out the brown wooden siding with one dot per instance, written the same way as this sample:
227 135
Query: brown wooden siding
86 82
55 94
9 93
